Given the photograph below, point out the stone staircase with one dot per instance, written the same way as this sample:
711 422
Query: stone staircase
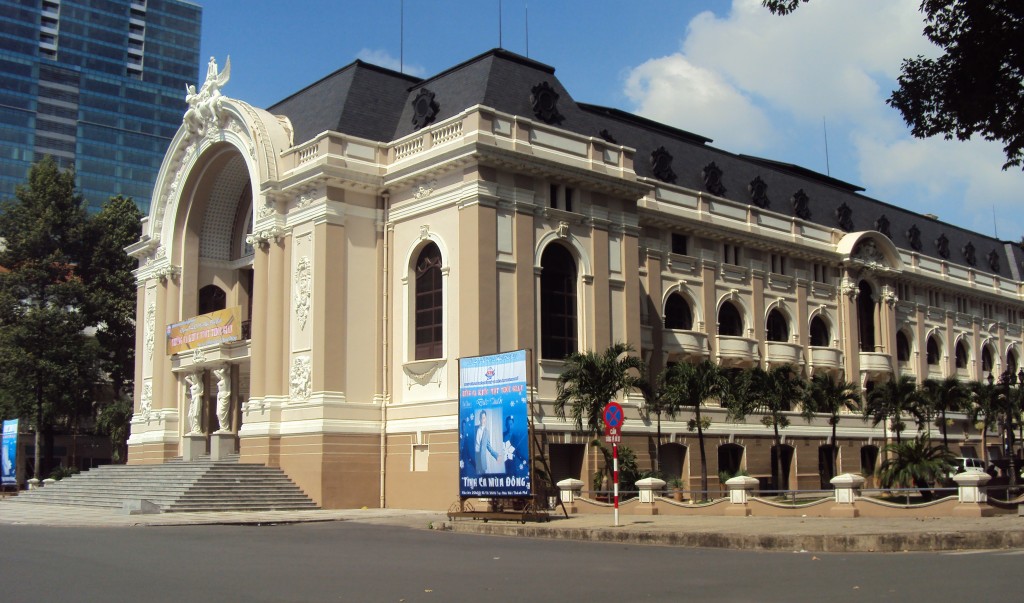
177 486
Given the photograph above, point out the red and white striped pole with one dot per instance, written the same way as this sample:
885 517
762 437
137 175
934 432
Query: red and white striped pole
615 480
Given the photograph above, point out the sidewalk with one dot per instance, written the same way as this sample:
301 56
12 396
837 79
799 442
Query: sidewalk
748 533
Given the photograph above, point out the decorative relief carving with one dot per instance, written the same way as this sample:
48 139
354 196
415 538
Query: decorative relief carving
661 165
712 176
150 329
914 238
167 272
563 230
970 254
942 244
146 401
424 232
305 199
205 107
424 108
303 290
844 217
425 190
801 205
889 295
198 356
848 288
758 190
268 209
544 102
262 238
300 378
867 251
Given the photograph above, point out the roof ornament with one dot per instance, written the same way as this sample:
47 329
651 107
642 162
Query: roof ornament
914 238
205 107
661 165
882 226
712 176
424 108
993 260
544 101
970 255
801 205
758 190
942 244
844 217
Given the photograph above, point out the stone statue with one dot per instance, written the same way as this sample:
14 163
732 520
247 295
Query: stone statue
204 105
223 375
195 406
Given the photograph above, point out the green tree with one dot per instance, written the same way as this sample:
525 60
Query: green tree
984 408
826 395
50 364
916 463
772 393
974 86
891 401
947 395
110 287
590 380
114 419
686 385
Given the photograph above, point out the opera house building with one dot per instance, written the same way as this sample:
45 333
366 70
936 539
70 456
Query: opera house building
310 275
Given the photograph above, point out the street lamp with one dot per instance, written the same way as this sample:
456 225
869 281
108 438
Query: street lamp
1008 379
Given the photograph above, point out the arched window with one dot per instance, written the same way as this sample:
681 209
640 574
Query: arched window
820 335
933 351
429 304
730 460
677 313
558 331
211 299
902 347
776 326
961 355
730 322
986 359
1011 362
866 317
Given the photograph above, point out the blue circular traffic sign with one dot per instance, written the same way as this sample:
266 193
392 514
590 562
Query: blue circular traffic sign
613 415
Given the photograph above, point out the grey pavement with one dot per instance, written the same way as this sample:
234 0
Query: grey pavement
750 533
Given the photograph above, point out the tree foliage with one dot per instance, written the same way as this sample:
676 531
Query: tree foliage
590 380
57 288
916 463
826 395
892 400
974 86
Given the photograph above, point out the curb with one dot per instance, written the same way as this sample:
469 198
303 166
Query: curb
824 543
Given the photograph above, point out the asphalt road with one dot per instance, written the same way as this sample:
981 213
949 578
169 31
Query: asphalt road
349 561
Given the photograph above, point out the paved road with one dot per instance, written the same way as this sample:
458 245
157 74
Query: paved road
352 561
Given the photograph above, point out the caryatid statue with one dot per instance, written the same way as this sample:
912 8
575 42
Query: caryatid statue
223 375
195 405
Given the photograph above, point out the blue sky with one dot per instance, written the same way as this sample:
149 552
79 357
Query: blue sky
726 69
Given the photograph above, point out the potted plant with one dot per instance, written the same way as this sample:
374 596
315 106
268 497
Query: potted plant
677 485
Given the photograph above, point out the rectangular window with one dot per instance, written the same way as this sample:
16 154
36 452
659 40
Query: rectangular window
820 272
731 254
679 243
778 263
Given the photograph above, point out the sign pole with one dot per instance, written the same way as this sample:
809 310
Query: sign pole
615 480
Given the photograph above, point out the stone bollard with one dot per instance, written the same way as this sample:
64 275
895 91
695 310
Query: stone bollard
647 486
34 483
847 487
972 495
740 488
570 490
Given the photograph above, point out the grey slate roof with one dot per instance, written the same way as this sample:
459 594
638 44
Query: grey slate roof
376 103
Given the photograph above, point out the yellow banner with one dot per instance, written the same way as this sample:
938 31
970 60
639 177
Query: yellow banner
222 326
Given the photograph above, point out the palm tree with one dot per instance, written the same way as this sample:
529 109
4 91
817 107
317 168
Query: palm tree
983 407
656 402
691 386
826 395
891 401
948 395
590 380
916 463
772 393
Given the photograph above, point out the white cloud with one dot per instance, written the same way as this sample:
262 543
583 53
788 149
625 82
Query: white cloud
672 90
383 58
759 83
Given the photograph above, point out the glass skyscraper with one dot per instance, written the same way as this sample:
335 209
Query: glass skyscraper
97 84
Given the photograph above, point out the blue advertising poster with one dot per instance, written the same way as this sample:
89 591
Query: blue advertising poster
9 444
494 449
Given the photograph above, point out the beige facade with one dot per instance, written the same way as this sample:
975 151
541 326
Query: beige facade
317 241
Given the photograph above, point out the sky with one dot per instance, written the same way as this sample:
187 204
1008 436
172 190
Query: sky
807 89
